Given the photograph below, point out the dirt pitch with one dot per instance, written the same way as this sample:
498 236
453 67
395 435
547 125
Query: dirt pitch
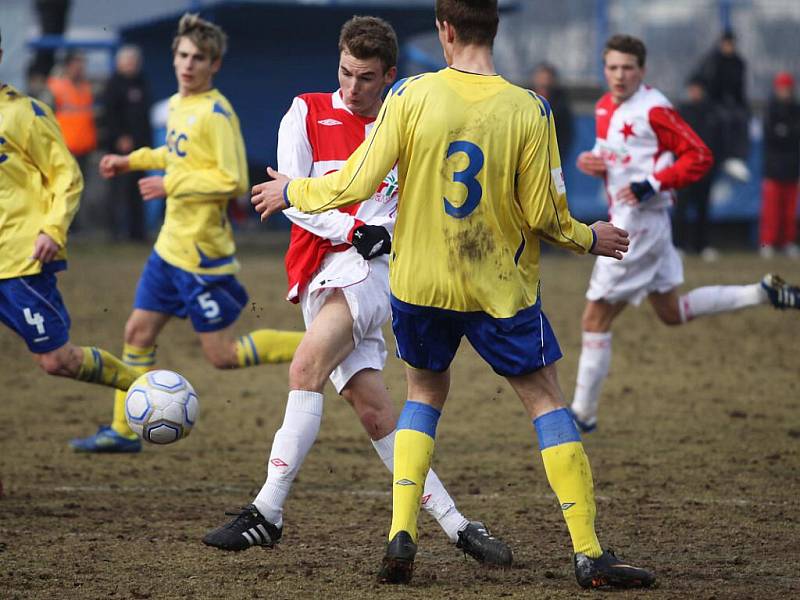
696 463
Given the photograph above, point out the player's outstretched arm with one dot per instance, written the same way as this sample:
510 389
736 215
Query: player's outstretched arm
609 240
112 165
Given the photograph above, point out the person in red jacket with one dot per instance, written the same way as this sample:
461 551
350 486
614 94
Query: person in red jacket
644 151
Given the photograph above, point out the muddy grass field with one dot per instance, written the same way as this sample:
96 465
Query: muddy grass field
696 461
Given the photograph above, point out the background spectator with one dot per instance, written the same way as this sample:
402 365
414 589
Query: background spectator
74 110
781 170
127 108
52 17
691 211
545 82
722 72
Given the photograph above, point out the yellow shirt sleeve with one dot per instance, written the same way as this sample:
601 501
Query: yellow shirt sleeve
227 178
542 194
62 177
145 159
361 174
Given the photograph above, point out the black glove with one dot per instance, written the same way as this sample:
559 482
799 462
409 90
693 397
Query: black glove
642 190
371 241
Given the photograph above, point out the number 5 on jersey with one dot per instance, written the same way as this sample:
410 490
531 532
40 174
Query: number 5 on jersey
466 177
209 305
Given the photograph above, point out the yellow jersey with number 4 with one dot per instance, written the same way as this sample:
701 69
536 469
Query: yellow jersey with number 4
480 185
206 167
40 183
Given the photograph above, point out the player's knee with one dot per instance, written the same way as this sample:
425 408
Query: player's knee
220 359
305 374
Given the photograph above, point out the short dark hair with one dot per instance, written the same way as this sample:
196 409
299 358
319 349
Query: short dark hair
370 37
475 21
627 44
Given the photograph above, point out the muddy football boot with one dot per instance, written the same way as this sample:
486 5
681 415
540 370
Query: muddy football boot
106 440
609 571
249 528
481 545
781 294
398 563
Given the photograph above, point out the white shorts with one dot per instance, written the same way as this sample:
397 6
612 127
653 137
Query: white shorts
365 286
651 264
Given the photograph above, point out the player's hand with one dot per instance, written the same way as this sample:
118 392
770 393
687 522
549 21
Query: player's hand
267 197
611 241
371 241
636 192
112 165
591 164
45 248
152 187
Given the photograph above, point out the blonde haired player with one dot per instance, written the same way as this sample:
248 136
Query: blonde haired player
191 269
480 185
39 196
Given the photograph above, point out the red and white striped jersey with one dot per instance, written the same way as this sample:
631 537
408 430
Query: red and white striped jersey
316 136
645 138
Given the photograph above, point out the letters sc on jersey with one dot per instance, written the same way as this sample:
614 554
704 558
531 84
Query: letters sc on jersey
480 184
206 167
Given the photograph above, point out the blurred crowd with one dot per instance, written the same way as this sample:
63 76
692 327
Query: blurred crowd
113 116
715 105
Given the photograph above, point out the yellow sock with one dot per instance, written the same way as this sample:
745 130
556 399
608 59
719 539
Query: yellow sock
138 360
267 346
413 452
570 476
100 366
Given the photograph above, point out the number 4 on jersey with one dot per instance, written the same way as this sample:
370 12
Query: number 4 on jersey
35 319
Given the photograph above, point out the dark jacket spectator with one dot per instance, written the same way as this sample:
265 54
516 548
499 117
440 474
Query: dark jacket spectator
723 73
127 118
545 82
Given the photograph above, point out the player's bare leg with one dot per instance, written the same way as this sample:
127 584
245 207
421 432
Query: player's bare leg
595 360
86 363
262 346
139 355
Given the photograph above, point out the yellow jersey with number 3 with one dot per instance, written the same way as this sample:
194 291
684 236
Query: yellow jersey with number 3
206 167
480 185
40 183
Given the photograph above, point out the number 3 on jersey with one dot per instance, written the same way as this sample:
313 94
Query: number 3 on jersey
466 177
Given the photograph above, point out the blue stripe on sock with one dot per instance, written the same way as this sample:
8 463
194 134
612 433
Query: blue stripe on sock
555 428
98 363
419 417
252 348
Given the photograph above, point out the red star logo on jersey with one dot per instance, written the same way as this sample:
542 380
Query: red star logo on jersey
627 131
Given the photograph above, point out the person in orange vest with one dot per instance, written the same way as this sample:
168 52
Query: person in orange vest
74 107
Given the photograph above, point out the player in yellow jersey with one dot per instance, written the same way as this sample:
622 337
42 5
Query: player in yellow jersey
480 185
39 196
191 269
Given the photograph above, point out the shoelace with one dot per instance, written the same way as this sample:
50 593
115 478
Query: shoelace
243 513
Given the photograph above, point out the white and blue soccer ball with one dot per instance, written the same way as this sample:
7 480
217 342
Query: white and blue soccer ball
161 407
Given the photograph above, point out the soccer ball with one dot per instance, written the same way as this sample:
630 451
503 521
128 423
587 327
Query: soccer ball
161 407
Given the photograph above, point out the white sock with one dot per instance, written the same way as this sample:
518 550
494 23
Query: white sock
593 369
719 298
435 499
289 449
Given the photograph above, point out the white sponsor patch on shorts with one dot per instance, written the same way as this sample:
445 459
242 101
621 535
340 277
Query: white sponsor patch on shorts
558 180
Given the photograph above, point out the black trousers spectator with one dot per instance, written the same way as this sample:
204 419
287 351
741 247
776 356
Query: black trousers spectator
126 208
52 20
691 234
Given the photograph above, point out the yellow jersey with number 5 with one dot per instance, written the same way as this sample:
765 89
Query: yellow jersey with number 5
480 185
206 167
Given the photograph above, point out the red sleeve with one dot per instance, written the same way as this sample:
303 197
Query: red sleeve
693 159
